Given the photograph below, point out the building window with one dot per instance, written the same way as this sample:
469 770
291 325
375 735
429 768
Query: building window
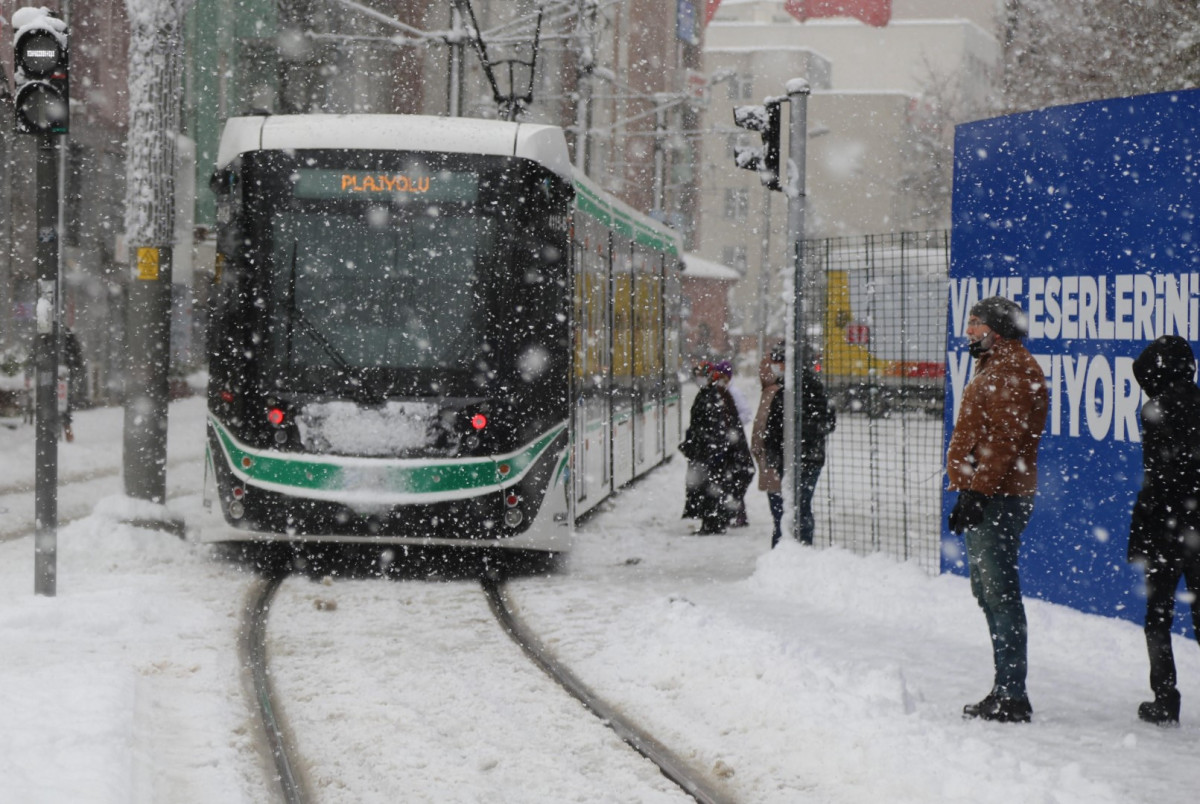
737 204
741 87
734 257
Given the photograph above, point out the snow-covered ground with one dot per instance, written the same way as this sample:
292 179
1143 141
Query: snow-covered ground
794 675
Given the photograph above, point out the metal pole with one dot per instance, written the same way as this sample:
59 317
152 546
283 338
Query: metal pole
764 277
455 79
585 41
797 91
660 127
45 551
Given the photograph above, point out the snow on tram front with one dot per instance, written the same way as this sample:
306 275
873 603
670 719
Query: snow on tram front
389 345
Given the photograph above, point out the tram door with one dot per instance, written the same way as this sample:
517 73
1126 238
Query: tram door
646 361
672 323
593 410
623 391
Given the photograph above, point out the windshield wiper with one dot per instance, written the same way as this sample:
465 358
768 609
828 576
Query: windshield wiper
295 315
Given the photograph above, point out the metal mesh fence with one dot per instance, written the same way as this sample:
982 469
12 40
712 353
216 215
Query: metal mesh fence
882 350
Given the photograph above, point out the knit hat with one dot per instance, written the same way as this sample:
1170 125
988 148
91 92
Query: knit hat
1003 316
723 369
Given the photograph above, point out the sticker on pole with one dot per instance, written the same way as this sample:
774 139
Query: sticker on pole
147 264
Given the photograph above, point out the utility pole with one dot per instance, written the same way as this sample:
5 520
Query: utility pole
155 72
798 91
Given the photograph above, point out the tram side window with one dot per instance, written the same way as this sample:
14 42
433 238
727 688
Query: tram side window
622 312
594 285
578 312
648 317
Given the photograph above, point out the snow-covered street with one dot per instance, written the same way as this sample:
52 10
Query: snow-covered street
794 675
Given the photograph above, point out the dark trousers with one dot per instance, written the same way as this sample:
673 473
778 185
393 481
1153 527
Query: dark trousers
775 501
992 548
810 472
1162 580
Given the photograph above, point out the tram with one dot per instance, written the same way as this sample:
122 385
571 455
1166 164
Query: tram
429 331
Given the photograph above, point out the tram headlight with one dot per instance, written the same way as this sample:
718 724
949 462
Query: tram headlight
513 517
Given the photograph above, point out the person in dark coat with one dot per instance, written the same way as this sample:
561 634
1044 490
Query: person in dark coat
696 480
1164 532
74 380
817 420
741 471
716 444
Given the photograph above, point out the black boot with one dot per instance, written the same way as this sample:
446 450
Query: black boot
1000 710
1162 711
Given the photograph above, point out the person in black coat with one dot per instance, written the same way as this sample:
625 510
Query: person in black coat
715 446
1164 533
697 475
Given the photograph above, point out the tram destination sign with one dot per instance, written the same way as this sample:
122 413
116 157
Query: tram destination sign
441 185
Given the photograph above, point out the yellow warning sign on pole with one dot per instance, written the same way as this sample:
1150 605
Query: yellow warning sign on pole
147 263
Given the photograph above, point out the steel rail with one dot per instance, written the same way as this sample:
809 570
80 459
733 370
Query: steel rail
253 650
674 768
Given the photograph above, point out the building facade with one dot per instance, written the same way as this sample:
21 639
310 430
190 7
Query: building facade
879 134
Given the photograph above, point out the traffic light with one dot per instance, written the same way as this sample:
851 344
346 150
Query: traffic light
765 120
40 69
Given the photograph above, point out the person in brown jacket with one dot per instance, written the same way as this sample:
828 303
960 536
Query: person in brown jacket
766 440
992 464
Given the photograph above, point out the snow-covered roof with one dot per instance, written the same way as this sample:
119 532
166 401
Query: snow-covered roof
545 145
697 267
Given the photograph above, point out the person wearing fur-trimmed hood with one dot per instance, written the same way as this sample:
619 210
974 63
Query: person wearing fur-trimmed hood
1164 531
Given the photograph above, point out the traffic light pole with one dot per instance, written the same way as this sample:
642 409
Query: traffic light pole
798 91
45 567
42 108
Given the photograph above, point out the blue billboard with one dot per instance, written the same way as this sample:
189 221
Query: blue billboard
1086 216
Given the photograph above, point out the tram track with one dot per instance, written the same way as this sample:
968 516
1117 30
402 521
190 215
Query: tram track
674 768
280 742
252 648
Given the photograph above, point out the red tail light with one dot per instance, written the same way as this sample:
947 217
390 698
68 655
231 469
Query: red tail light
275 416
479 421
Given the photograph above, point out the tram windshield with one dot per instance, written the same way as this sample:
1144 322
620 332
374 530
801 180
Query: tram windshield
401 295
379 263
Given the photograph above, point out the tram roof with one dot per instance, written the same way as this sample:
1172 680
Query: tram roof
545 145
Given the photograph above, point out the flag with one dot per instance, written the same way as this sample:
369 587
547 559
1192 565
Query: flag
872 12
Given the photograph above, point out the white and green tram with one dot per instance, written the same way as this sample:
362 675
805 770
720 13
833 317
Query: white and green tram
429 331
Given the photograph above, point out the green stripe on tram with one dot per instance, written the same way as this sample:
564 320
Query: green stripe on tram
384 475
588 202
